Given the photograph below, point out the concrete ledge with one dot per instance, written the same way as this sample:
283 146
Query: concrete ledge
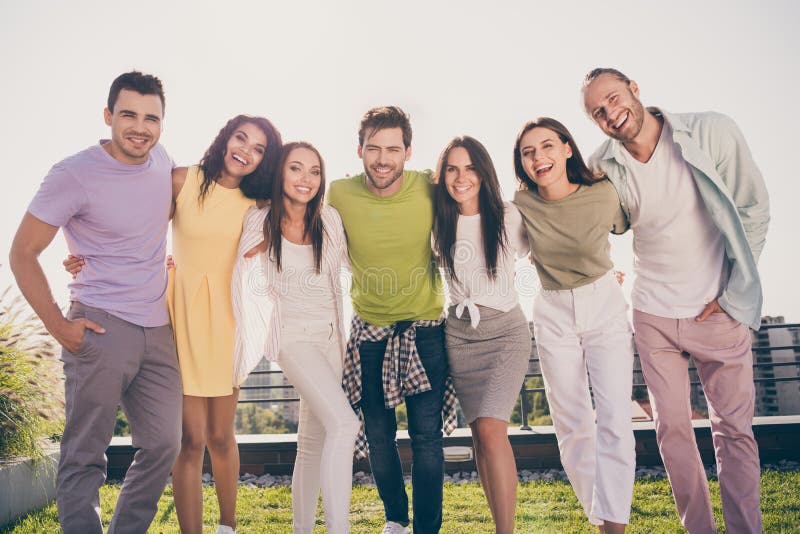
27 485
777 439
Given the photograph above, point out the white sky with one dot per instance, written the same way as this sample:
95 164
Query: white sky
458 68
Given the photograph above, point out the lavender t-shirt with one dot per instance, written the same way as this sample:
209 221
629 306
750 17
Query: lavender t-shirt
115 217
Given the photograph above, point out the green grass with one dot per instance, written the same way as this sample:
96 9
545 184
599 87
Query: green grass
543 507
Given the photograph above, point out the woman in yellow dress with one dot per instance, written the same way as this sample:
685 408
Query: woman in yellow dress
209 204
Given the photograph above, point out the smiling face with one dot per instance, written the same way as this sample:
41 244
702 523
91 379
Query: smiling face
245 150
135 126
615 106
384 156
302 175
544 157
462 181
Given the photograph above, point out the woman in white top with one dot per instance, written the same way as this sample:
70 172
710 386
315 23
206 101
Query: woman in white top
288 305
477 238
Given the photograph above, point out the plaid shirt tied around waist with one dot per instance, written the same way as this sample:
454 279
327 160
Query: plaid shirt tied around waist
403 373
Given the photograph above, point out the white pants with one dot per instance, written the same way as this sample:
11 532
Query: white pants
311 358
580 330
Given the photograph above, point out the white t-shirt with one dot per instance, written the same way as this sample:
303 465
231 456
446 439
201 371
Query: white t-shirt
474 286
305 295
678 251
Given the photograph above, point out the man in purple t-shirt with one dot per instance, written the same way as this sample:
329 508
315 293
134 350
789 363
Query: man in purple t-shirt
112 201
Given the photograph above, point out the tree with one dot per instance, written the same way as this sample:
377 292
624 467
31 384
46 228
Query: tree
535 404
253 419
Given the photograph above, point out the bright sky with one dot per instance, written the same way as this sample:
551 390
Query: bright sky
458 68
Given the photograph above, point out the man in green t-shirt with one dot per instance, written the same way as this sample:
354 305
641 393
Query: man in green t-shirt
396 350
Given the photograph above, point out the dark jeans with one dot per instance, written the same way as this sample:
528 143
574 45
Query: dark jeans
424 428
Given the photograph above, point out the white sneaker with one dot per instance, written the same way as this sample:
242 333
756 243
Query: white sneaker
224 529
394 528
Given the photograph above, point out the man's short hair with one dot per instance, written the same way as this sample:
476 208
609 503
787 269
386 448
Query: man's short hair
385 117
594 73
144 84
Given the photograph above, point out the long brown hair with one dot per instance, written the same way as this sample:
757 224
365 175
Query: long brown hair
490 206
577 171
313 217
257 184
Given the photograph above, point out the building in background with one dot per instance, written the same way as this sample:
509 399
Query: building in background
776 349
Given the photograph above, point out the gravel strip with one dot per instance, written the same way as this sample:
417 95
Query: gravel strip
463 477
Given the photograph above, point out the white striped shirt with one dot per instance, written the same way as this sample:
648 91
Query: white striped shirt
256 296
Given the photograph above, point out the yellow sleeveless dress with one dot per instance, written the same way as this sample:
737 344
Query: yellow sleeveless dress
205 238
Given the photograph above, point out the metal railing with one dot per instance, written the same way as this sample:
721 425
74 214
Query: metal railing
695 382
758 349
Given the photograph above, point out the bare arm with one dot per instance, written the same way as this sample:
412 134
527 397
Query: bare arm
33 236
178 179
258 249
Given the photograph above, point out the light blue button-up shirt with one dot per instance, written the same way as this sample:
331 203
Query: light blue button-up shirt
732 189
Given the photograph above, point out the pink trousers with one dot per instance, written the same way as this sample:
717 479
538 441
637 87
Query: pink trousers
721 350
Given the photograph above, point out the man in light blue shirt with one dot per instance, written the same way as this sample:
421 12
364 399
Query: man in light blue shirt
699 212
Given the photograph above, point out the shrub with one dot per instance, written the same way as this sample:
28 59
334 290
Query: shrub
31 387
253 419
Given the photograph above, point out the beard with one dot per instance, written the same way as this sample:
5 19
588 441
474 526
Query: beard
383 183
633 124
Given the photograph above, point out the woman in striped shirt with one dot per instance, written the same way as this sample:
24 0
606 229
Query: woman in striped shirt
287 300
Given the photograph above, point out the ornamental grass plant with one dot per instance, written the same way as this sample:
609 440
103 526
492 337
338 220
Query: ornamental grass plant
31 384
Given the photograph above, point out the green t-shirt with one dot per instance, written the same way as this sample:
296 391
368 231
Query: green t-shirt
389 243
569 237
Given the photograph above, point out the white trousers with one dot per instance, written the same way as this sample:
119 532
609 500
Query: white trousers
580 330
311 358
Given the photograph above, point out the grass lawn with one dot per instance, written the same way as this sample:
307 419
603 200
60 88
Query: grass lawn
543 507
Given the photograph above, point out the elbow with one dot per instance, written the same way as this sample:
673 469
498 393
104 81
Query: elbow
20 257
15 258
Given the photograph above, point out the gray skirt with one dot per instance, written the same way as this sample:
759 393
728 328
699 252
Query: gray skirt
488 363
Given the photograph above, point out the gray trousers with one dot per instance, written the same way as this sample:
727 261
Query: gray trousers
136 367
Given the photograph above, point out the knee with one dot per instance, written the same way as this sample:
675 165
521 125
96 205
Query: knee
309 442
575 425
675 422
427 451
614 426
193 443
734 429
490 441
165 448
379 442
222 441
348 427
424 441
345 433
379 434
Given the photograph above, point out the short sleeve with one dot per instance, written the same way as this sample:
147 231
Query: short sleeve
60 197
516 232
